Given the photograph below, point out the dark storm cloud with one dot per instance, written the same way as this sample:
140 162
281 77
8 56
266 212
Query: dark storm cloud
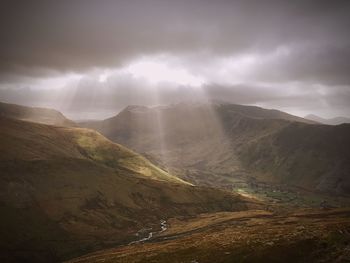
42 39
327 64
39 37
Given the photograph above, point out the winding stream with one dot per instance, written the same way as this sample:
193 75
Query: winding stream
163 227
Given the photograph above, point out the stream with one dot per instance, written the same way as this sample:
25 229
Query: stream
163 227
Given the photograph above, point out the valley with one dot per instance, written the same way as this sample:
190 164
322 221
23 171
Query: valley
213 183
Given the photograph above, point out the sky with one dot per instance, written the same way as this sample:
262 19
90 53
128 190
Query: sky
90 59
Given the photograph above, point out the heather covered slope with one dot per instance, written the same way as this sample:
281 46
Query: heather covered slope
250 236
222 144
34 114
68 191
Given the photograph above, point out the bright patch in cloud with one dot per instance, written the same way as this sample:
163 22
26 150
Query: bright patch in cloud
156 72
102 78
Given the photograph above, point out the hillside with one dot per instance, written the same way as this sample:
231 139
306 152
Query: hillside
228 145
68 191
34 114
311 156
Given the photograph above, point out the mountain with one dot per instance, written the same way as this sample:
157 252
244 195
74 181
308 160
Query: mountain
34 114
67 191
226 145
331 121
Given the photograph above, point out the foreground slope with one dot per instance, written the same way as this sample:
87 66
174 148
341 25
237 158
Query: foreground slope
34 114
227 144
249 236
67 191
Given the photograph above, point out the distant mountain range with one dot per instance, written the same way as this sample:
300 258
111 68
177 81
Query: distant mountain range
223 144
331 121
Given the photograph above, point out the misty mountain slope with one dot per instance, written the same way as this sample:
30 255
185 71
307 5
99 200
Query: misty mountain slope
67 191
331 121
188 138
34 114
185 138
221 144
310 156
182 128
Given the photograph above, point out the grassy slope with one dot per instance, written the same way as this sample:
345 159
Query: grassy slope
67 191
36 141
100 149
34 114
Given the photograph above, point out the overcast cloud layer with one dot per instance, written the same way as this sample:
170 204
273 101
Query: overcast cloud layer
98 56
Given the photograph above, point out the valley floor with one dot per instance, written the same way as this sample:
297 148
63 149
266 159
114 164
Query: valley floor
303 235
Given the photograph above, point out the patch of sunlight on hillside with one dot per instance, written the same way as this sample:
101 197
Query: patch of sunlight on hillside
100 149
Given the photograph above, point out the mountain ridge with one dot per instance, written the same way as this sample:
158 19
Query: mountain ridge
34 114
329 121
210 144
